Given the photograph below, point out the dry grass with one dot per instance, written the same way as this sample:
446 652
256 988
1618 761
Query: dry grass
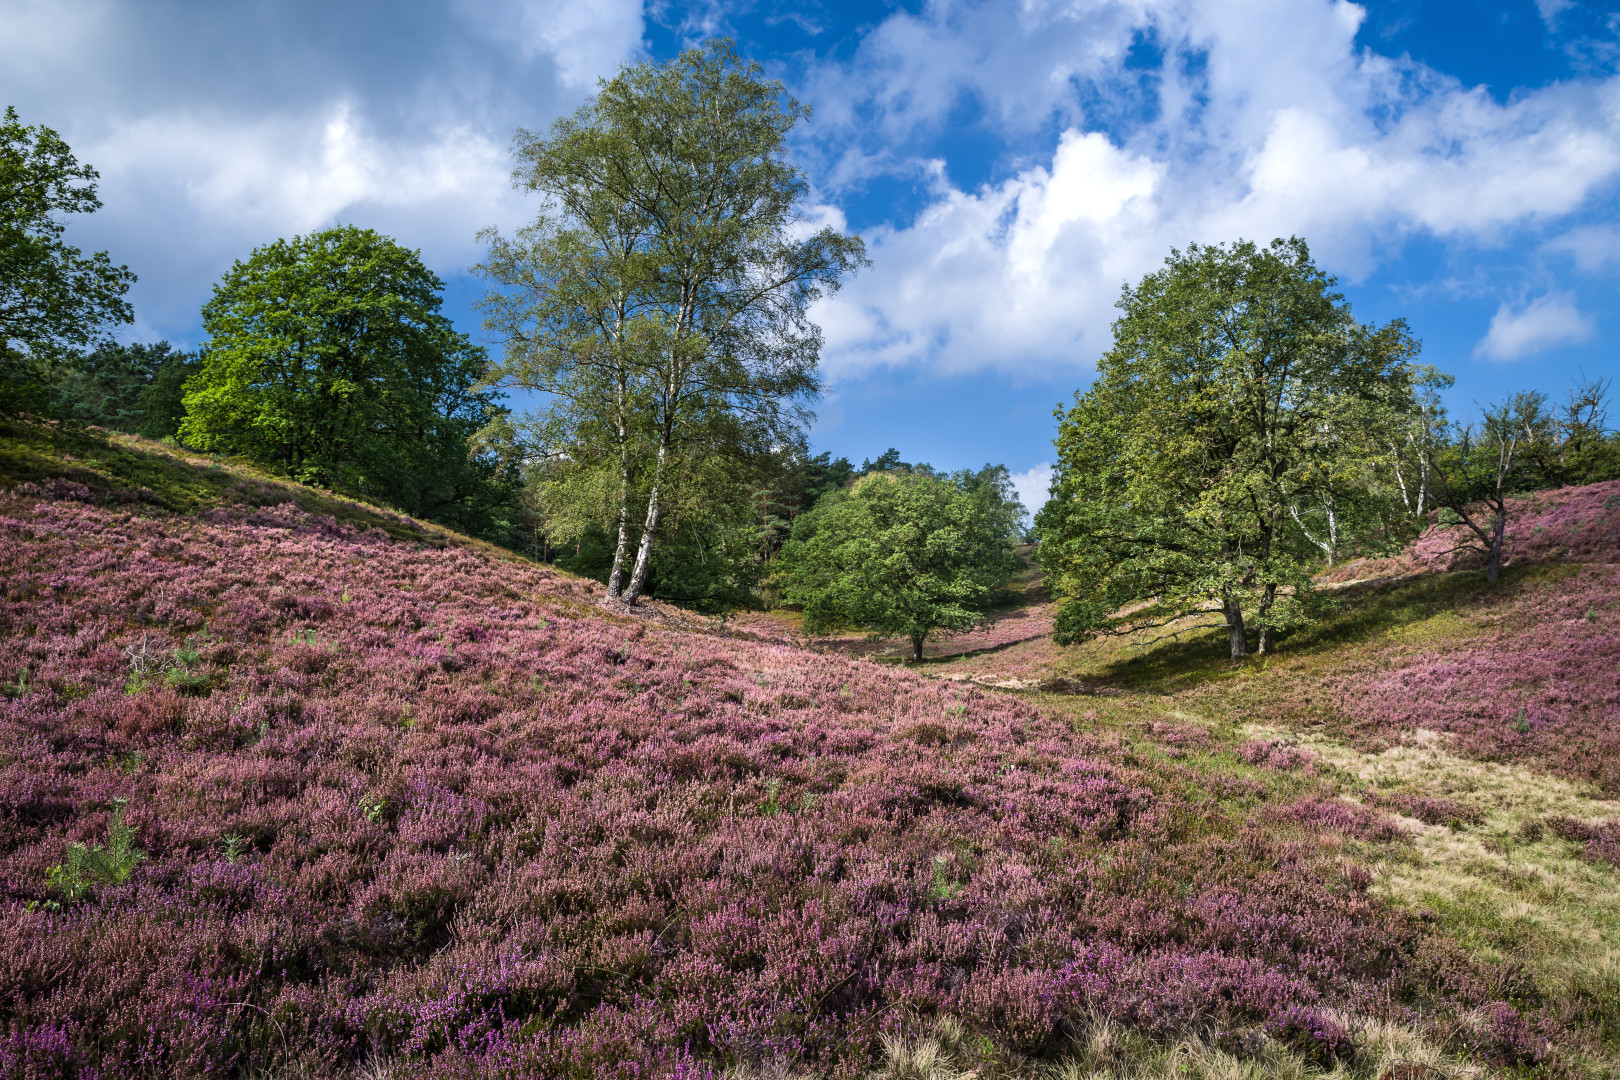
946 1050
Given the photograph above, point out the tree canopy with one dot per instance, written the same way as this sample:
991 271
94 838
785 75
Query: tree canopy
134 388
54 299
660 301
898 554
329 360
1235 394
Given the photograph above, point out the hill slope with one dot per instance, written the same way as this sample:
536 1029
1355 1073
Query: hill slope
427 806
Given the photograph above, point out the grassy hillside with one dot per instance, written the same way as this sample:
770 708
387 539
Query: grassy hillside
1484 720
292 787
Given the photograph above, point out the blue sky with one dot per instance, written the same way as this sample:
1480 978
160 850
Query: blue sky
1455 162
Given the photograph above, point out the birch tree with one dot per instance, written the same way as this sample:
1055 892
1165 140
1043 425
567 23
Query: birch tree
679 324
1412 437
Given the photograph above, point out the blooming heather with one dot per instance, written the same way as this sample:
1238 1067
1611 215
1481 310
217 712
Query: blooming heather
1540 682
430 805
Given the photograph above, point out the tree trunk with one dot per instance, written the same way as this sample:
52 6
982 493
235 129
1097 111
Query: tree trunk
620 550
916 649
1400 478
638 578
615 580
1423 488
1493 557
1267 643
1234 627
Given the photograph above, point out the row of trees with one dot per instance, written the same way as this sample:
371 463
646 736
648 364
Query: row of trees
1245 428
658 304
328 358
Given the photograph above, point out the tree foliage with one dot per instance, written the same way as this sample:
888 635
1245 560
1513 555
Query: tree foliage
1234 398
132 388
898 554
328 359
1476 470
661 299
54 299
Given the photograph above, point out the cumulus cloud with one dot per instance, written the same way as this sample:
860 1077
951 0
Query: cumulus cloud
1034 486
1265 118
1544 322
1592 247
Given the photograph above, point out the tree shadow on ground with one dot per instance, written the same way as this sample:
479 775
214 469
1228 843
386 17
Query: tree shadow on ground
1415 611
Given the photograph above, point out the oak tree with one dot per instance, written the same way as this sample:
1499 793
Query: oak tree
329 360
1219 410
54 299
898 554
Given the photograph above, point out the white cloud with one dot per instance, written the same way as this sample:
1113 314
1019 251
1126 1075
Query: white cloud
585 38
221 127
1549 10
1268 119
1034 486
1544 322
303 171
1592 247
989 278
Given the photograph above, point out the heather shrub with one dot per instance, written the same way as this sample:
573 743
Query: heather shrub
1502 1035
1427 809
1332 815
1602 838
1279 755
1314 1035
1178 739
433 809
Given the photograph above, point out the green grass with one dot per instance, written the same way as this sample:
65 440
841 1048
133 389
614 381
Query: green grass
1501 889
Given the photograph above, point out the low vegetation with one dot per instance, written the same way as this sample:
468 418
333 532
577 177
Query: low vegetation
293 784
429 813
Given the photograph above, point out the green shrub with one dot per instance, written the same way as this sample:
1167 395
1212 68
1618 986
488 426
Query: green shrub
91 864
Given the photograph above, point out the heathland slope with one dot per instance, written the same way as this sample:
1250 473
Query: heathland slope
283 794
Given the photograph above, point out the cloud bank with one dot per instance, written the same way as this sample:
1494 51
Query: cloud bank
217 128
1256 119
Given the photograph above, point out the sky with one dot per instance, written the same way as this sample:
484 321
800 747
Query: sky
1011 166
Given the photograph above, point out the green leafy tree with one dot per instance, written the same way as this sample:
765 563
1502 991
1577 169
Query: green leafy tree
54 299
162 404
1579 448
1220 408
661 301
329 360
993 486
1480 466
899 554
1410 437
